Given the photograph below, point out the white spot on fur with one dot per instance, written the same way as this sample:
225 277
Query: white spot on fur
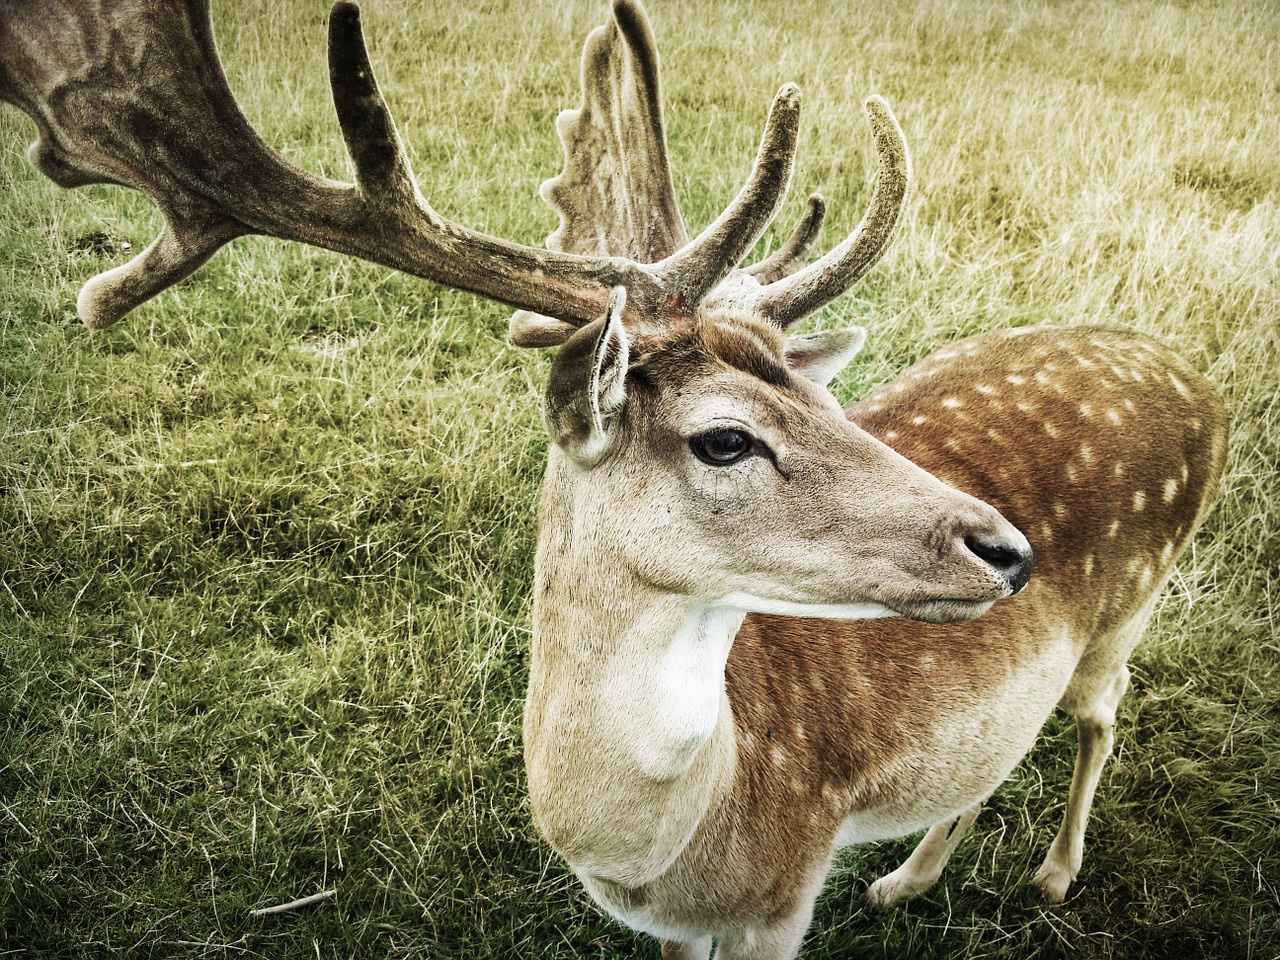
1016 380
779 756
1139 501
1088 565
1179 386
1050 428
1113 529
1114 416
1086 454
1086 410
985 389
1170 490
952 402
918 420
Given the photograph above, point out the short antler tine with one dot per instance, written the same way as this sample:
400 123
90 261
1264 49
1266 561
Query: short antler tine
182 247
693 272
793 254
803 293
377 154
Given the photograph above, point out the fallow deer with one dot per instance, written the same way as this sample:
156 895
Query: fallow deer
763 628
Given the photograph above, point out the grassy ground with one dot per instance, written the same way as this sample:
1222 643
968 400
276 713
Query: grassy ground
265 546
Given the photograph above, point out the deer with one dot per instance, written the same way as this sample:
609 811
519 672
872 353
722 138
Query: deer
764 627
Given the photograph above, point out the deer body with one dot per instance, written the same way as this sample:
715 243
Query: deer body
699 766
763 629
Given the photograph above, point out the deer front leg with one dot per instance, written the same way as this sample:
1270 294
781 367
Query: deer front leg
922 869
686 950
778 942
1094 725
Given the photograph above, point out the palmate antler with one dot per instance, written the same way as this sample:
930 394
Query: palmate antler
132 92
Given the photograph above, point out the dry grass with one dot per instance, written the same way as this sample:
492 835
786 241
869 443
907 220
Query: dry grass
265 546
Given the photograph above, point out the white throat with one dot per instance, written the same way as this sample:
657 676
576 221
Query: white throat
679 698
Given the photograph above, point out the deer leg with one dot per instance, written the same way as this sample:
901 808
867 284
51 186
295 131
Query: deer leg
779 942
782 936
686 949
1095 723
922 869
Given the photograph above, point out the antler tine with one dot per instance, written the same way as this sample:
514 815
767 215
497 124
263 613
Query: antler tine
793 254
377 154
691 273
185 243
803 293
615 193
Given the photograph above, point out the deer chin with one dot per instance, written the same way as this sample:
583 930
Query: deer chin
945 610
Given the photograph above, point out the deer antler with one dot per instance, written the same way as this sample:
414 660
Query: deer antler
135 95
615 193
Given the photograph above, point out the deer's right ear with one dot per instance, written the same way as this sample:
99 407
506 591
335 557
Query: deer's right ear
820 356
587 387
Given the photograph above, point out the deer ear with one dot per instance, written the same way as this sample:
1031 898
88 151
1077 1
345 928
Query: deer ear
820 356
587 387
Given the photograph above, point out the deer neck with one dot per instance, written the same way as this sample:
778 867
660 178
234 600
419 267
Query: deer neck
628 731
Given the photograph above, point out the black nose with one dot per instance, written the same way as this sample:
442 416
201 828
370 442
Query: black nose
1012 561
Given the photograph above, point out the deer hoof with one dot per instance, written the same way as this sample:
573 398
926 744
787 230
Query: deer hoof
1053 879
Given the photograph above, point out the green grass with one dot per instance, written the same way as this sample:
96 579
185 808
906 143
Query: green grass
265 546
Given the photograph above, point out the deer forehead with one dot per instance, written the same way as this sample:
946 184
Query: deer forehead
734 372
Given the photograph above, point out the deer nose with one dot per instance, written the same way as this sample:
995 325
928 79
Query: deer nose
1012 560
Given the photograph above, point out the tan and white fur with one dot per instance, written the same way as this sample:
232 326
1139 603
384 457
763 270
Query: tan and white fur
698 752
763 627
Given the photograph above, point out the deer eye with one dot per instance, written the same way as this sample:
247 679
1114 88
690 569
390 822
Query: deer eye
719 448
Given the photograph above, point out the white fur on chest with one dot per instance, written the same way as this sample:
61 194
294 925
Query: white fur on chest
674 701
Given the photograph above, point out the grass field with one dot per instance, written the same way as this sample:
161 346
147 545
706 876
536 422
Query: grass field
266 545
